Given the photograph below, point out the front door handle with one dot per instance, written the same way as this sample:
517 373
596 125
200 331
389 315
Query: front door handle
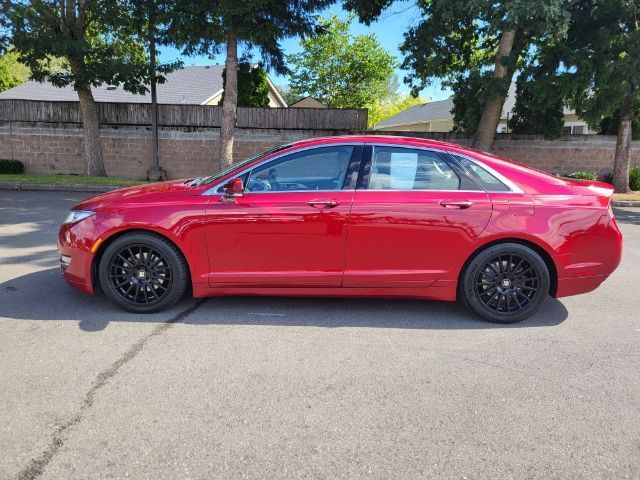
456 203
324 203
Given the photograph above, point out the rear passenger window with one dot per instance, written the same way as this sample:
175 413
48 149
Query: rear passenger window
396 168
486 180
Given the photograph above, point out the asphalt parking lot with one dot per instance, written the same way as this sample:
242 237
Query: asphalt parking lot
302 388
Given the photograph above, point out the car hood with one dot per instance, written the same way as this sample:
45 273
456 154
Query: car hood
139 194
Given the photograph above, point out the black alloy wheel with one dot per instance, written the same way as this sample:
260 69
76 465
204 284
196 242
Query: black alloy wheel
140 274
506 283
143 273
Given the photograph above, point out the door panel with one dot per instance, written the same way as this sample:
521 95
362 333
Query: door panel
410 218
289 229
409 238
279 239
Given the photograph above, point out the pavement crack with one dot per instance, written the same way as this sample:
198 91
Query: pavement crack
37 465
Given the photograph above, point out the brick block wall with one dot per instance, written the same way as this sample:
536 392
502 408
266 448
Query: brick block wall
49 148
593 153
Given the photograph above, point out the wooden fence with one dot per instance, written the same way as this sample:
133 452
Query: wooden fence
32 111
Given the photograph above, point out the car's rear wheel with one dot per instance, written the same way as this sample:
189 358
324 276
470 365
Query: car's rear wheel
143 273
505 283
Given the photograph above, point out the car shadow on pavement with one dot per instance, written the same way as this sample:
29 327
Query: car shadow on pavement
44 295
627 215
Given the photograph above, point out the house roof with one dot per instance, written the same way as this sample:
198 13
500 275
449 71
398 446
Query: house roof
191 85
426 112
308 101
441 110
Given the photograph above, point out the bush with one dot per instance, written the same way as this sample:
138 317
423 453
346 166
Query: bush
634 178
583 175
11 166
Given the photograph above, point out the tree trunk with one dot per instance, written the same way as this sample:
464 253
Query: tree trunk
229 114
154 173
93 163
622 158
503 72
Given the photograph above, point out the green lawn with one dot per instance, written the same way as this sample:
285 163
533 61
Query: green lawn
69 180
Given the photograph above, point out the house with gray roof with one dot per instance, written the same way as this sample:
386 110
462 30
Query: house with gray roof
437 117
196 85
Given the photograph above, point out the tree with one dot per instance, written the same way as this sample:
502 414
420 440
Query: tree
253 86
601 60
12 72
609 125
88 34
540 96
470 95
539 109
207 26
381 110
456 39
340 70
148 25
288 94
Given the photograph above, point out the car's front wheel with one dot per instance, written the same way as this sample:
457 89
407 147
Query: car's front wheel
505 283
143 273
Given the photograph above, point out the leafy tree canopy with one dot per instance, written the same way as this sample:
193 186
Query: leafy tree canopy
12 72
470 94
601 59
609 125
539 109
340 70
381 110
92 35
201 27
253 86
457 37
598 66
289 95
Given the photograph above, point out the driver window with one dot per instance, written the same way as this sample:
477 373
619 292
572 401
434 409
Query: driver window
322 168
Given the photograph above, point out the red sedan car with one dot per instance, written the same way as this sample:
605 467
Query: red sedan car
350 216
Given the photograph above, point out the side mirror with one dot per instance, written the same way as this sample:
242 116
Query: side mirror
233 188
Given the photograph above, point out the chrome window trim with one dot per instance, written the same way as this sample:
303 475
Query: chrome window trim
508 183
212 190
513 188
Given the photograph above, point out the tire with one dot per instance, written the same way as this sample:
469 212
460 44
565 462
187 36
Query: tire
505 283
143 273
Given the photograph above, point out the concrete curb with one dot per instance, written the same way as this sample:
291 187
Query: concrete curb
626 203
49 187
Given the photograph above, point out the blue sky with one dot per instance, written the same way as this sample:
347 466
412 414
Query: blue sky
389 30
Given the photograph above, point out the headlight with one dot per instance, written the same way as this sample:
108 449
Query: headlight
76 215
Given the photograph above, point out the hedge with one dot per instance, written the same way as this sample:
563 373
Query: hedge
11 166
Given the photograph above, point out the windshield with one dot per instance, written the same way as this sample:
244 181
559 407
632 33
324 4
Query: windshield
205 180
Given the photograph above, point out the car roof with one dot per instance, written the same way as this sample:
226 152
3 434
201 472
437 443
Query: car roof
524 177
393 139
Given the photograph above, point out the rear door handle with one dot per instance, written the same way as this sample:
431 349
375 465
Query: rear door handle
324 203
456 203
